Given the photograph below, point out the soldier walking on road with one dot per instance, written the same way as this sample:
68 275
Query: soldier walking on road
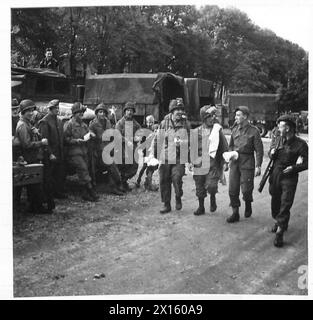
245 140
171 169
128 170
206 181
74 131
290 155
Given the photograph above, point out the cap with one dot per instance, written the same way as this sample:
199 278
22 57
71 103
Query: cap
287 118
26 105
207 111
53 103
245 110
177 103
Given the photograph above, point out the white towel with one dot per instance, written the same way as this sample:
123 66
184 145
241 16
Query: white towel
214 139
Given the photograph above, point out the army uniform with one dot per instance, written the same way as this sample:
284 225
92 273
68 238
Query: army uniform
51 127
127 170
171 171
98 126
282 186
77 152
246 140
31 148
207 181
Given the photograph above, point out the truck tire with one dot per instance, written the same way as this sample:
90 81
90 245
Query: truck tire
262 129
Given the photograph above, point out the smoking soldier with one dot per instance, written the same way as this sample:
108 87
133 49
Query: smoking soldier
77 154
246 140
206 181
290 156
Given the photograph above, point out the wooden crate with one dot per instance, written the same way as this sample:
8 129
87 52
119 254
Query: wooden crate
28 174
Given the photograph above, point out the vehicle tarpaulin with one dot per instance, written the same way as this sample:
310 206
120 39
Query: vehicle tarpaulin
120 88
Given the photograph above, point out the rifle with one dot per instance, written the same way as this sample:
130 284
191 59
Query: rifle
269 167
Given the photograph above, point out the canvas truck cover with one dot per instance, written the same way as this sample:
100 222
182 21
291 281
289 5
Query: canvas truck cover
119 88
198 92
262 106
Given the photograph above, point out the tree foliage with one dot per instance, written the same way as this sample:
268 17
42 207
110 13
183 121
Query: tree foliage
222 45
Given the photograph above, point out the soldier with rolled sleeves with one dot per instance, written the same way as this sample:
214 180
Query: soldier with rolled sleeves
171 170
129 143
77 156
206 180
31 145
290 155
51 127
98 126
246 140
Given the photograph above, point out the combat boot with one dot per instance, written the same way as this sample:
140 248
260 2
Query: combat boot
178 203
274 228
148 184
166 208
201 209
235 216
279 239
116 191
213 205
248 209
86 195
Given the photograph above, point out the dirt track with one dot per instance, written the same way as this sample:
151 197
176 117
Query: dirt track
136 250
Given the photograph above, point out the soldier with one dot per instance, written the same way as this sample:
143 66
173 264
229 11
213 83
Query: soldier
246 140
51 127
290 155
49 62
31 146
171 169
74 131
207 181
146 167
98 125
15 114
128 170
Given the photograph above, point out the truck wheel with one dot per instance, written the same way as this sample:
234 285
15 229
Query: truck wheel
262 129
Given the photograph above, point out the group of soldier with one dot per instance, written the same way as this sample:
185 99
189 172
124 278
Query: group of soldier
80 147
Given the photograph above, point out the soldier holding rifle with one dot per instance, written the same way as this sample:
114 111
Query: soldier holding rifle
290 156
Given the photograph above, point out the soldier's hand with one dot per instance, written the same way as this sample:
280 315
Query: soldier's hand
92 134
52 157
226 166
80 141
288 169
257 171
44 141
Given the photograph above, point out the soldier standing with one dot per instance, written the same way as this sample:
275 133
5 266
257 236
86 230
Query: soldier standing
290 155
98 125
31 146
51 127
207 181
129 143
171 169
74 131
246 140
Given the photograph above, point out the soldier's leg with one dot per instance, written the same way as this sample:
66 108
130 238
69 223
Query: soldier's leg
178 171
201 193
288 187
234 190
148 181
165 186
211 184
141 172
247 185
58 173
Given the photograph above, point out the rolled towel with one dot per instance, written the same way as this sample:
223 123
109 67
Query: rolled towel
230 155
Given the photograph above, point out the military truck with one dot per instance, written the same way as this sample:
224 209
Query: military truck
152 93
264 109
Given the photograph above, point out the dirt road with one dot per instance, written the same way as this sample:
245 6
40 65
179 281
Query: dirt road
123 245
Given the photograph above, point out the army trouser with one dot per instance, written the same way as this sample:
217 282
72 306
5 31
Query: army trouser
207 183
58 176
171 173
80 164
128 171
283 193
240 178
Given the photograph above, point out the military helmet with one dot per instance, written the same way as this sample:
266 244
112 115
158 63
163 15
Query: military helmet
101 106
26 105
177 103
77 107
207 111
129 105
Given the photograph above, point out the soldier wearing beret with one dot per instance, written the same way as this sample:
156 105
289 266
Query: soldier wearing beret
129 143
246 140
98 125
77 155
290 155
51 127
31 145
206 181
171 169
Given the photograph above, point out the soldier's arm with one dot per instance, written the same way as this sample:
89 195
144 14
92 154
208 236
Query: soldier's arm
25 139
258 147
68 137
223 142
44 132
303 153
231 143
